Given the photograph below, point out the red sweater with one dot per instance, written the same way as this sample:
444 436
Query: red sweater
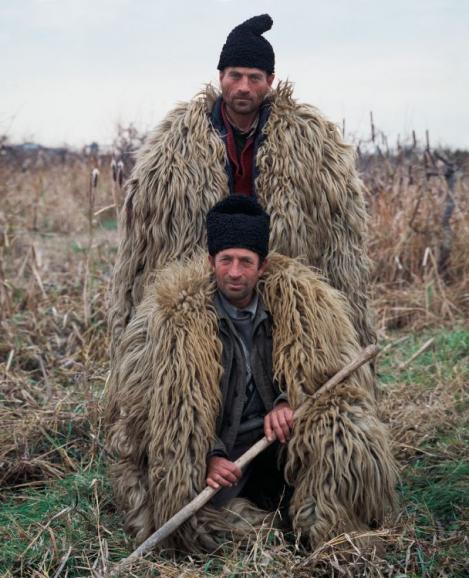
242 168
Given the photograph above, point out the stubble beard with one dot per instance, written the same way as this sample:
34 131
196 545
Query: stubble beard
244 294
243 106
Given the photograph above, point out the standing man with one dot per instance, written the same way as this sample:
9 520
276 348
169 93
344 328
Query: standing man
218 354
255 140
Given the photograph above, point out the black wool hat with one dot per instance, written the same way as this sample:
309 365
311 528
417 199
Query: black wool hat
246 47
238 222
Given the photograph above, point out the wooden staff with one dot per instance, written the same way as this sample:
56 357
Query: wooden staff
205 495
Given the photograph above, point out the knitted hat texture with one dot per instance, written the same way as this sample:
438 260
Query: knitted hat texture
238 222
246 47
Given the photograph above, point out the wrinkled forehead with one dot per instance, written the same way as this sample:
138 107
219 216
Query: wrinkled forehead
242 70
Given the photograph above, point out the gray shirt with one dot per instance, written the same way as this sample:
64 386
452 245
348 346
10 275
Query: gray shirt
243 323
243 320
242 414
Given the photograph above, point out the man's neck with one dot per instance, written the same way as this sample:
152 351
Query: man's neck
240 304
242 122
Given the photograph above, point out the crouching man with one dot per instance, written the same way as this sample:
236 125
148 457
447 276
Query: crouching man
220 353
253 403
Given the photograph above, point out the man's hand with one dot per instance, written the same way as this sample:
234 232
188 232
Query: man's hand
279 422
222 472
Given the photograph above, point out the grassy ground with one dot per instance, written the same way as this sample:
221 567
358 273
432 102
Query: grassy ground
58 514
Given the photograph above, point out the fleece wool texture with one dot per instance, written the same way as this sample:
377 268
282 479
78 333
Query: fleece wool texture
164 398
307 183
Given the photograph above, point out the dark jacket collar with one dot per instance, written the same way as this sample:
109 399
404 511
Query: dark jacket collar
260 316
216 119
216 116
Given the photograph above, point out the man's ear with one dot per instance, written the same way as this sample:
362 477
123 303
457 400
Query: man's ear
270 79
263 266
211 260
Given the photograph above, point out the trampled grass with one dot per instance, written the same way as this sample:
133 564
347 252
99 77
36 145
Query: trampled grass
69 517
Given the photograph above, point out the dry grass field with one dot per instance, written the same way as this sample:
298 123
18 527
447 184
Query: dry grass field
58 240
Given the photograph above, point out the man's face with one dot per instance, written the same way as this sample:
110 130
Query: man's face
244 89
237 272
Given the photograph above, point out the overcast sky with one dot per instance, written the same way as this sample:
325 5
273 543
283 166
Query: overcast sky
72 69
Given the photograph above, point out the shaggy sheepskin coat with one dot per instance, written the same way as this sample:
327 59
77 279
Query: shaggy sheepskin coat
164 397
306 181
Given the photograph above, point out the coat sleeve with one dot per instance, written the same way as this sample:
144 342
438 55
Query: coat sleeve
126 420
145 228
345 260
178 176
128 275
341 465
218 449
346 263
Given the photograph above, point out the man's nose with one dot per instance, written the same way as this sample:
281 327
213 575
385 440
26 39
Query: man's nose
234 270
243 84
